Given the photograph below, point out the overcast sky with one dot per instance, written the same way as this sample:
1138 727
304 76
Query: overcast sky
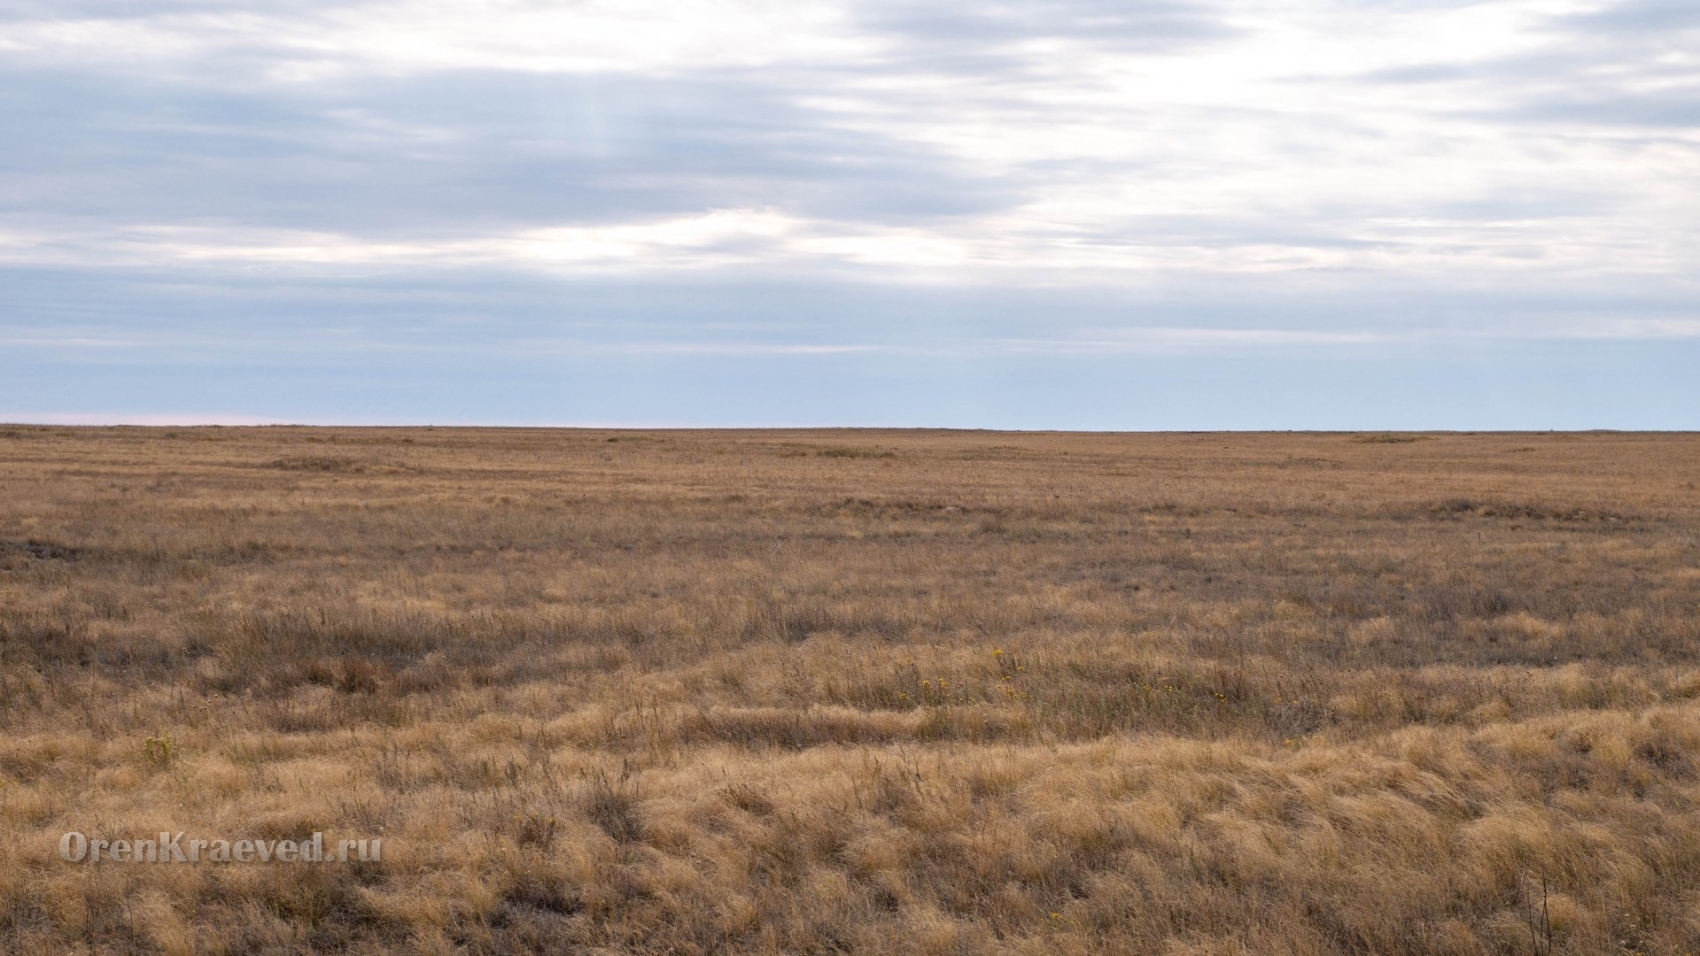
1071 214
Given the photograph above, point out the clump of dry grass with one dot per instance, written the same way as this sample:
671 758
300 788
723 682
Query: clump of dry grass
897 692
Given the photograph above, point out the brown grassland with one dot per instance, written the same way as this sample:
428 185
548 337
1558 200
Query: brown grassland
854 691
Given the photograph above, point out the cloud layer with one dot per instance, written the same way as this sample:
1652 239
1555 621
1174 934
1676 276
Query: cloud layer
1002 187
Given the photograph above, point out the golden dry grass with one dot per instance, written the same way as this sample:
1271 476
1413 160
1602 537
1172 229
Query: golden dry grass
855 691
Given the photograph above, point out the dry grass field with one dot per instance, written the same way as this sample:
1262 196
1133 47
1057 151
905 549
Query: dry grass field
854 691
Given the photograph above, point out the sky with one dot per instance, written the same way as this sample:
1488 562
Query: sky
1265 214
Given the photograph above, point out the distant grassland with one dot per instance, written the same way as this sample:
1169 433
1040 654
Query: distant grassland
855 691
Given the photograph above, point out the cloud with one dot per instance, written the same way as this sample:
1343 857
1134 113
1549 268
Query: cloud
1005 42
1620 65
1674 109
457 153
725 180
1658 18
1150 24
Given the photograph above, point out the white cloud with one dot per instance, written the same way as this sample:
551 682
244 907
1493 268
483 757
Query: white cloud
1454 144
313 41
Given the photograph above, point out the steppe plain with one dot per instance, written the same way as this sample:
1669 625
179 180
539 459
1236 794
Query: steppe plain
850 691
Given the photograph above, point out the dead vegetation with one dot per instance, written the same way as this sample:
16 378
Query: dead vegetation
882 692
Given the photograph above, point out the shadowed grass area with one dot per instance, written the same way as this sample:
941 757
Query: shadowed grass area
845 691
